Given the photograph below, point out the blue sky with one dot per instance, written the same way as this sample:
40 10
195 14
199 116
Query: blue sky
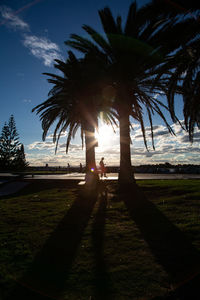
32 36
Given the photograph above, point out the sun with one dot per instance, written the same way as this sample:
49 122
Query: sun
104 136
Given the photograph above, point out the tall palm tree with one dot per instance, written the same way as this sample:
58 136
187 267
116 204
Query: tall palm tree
186 75
183 63
132 54
74 102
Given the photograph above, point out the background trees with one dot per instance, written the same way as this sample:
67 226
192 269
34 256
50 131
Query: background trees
19 162
12 155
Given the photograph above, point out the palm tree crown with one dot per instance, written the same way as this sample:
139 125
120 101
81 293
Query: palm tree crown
132 55
74 103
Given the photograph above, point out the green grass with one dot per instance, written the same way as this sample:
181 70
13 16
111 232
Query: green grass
41 172
111 249
179 200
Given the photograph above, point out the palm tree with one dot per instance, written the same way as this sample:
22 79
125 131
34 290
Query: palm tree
74 102
186 75
172 8
133 55
184 63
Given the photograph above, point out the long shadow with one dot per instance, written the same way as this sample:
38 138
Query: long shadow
36 186
186 291
101 280
171 248
48 273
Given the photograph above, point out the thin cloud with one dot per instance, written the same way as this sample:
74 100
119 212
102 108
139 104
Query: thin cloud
27 100
196 138
50 136
161 132
37 145
34 42
155 127
41 146
40 47
11 20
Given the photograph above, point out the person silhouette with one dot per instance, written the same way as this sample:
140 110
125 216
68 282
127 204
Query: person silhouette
68 168
102 167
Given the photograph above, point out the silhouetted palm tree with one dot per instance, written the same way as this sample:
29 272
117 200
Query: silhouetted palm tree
133 55
186 74
174 7
183 63
74 102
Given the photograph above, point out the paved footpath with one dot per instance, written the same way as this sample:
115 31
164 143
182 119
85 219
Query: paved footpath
12 187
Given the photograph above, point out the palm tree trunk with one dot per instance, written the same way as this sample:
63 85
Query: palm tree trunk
90 149
90 143
126 176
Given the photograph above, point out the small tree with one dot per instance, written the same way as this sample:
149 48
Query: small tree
11 151
19 162
4 152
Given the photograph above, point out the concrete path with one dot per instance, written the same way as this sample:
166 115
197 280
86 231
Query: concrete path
12 187
114 176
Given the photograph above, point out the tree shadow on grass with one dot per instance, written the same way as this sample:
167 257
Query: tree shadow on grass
36 186
102 283
48 273
171 248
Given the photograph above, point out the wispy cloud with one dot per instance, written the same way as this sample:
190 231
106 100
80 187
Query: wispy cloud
40 43
27 100
40 47
11 20
41 146
62 135
40 153
37 145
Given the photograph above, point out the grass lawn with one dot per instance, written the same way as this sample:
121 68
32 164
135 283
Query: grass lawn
57 243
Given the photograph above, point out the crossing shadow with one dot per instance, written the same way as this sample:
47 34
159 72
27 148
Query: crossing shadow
102 284
171 248
48 273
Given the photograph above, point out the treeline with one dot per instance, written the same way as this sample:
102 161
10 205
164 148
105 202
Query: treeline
148 168
168 168
12 156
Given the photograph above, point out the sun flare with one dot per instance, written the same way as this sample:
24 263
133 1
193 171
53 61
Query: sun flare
105 135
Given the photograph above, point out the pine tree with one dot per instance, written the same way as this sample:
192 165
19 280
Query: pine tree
19 163
4 153
9 144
